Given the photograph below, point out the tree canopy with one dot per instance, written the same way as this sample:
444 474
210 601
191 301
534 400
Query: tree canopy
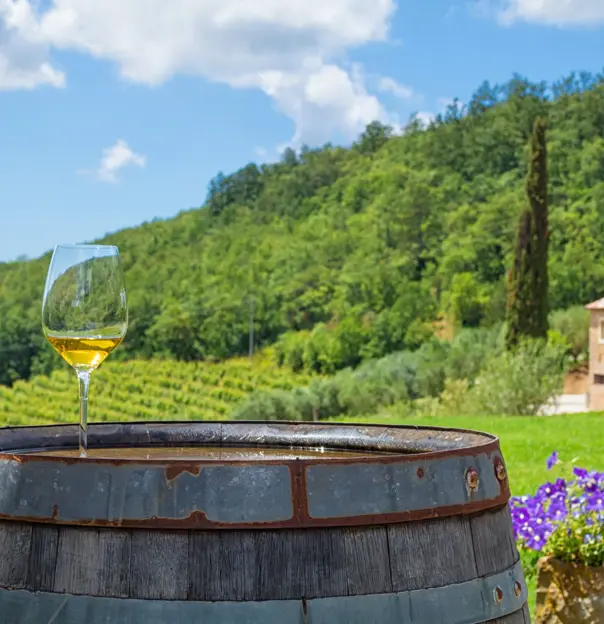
350 253
527 313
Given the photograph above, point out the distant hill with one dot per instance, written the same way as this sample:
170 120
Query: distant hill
353 253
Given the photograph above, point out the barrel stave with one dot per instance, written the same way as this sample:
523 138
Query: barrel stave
43 557
431 553
367 548
159 565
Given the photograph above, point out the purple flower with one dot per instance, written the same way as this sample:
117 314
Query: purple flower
534 518
552 460
556 510
551 489
581 473
535 541
595 502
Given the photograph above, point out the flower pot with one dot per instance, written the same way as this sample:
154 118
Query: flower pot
569 593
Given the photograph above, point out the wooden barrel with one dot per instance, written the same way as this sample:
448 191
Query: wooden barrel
277 523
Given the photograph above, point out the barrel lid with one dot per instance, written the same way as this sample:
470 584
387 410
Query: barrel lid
396 473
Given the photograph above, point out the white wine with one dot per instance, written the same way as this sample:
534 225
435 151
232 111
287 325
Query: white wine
84 312
84 354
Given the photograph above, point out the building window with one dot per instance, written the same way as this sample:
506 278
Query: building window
601 332
599 379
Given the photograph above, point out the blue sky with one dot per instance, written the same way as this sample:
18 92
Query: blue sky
120 111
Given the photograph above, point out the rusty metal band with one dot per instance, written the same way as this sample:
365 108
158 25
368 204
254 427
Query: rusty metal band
393 487
470 602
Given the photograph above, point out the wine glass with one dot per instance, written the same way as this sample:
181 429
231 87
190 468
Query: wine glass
84 312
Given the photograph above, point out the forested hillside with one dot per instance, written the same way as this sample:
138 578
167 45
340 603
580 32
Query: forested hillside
349 254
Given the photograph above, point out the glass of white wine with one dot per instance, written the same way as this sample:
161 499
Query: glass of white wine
84 312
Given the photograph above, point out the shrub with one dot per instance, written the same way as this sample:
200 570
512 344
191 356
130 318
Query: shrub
289 350
274 405
518 382
564 518
467 299
573 325
374 384
430 368
454 398
471 349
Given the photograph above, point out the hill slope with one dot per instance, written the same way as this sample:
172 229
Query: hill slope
360 248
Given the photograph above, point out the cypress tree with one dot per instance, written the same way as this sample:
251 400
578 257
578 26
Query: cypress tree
527 306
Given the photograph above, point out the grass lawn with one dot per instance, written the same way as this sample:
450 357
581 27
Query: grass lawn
526 442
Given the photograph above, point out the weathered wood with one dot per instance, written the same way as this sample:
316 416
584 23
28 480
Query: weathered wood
274 550
95 562
160 569
461 603
493 540
527 615
495 549
431 553
366 556
43 557
308 563
15 543
115 557
222 566
239 568
322 557
78 568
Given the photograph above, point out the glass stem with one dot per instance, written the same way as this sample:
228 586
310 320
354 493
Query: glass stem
84 381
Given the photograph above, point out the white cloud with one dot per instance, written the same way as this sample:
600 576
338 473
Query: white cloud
23 56
115 158
425 117
321 96
389 85
285 48
554 12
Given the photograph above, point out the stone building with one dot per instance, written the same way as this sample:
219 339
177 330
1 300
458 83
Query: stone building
596 355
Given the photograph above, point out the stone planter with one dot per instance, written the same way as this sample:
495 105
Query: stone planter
569 593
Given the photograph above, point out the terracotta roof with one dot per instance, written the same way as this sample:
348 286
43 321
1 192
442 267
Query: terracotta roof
596 305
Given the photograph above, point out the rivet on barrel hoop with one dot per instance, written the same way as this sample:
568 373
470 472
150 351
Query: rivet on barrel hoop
498 595
500 471
517 588
472 478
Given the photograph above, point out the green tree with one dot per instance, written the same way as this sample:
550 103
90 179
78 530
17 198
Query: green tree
376 134
357 249
528 287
